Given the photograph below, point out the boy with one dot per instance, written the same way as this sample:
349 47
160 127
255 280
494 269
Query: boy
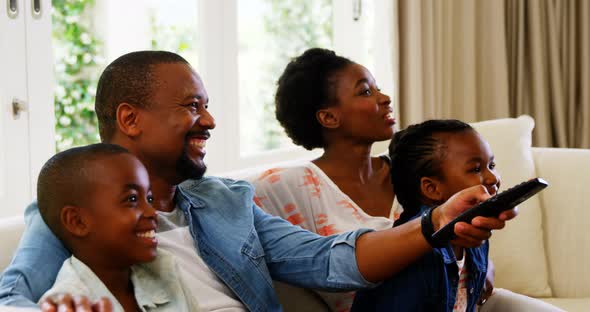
97 200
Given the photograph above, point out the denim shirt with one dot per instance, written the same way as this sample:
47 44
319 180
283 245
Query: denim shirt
428 284
242 244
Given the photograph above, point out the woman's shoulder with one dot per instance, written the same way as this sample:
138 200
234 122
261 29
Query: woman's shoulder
280 175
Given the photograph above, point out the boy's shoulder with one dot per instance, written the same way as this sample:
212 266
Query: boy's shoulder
76 279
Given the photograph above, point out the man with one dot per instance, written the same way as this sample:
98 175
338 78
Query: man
155 105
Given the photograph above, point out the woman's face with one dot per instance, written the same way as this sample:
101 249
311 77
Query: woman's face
362 112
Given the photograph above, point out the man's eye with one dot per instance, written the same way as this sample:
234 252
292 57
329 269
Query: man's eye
132 198
493 166
476 169
194 104
366 92
150 199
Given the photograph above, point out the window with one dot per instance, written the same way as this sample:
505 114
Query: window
87 35
238 47
253 41
270 33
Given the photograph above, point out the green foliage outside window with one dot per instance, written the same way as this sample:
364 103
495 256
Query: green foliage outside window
76 51
293 26
79 63
176 38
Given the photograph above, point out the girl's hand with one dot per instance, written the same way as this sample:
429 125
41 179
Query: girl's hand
480 229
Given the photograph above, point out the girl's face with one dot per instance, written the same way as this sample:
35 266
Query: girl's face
363 112
468 162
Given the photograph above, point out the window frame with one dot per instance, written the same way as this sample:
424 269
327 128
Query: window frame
218 66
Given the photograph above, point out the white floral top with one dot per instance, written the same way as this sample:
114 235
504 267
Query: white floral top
305 196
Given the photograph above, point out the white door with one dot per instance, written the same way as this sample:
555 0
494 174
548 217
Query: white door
26 100
40 86
14 134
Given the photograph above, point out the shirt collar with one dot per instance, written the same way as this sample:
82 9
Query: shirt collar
184 202
152 280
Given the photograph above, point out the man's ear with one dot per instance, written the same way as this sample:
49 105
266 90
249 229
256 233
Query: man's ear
128 119
328 118
431 189
74 221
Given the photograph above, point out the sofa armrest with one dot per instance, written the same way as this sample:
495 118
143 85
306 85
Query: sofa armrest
566 214
11 230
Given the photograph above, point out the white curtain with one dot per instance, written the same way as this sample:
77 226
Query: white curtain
477 60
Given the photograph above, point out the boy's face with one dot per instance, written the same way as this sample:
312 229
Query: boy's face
121 219
469 161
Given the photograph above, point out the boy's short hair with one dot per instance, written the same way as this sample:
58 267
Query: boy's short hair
417 152
65 178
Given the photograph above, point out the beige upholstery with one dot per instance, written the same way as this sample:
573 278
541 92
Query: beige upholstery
521 264
566 209
564 262
11 230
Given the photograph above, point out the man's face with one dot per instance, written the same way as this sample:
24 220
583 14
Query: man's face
176 124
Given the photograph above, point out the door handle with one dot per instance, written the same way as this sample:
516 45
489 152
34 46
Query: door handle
36 8
12 8
18 107
357 9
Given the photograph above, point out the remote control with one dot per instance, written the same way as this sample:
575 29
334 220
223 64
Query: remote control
493 206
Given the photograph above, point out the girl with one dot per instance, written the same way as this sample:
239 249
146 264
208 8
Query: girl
430 162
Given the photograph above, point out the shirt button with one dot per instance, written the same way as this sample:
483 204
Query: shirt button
471 291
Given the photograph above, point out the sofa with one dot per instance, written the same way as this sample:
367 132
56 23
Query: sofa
542 253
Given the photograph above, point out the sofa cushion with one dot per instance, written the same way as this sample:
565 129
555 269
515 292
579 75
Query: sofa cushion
570 304
296 299
566 208
518 250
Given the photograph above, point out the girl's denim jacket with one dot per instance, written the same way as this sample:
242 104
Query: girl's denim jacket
429 284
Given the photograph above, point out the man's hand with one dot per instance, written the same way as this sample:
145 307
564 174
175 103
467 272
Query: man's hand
480 229
68 303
